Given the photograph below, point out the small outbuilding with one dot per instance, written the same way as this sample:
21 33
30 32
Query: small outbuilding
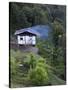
26 36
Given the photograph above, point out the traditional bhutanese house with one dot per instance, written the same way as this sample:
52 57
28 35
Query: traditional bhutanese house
26 36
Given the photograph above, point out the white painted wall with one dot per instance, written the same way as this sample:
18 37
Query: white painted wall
27 40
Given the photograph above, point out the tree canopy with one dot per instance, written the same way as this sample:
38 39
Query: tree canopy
24 15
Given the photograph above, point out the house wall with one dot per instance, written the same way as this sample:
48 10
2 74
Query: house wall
26 40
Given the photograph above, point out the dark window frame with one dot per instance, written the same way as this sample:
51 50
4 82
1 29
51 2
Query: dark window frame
21 38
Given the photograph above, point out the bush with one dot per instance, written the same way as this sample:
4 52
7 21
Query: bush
38 75
32 70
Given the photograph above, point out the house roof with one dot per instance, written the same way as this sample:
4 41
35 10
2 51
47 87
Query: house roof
38 30
29 30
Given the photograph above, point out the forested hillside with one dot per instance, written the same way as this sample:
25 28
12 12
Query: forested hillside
26 15
48 66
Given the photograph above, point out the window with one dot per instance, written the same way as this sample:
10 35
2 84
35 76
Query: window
21 38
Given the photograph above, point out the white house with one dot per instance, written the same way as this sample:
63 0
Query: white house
26 36
26 40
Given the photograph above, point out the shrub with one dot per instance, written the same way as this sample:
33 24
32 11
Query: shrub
38 75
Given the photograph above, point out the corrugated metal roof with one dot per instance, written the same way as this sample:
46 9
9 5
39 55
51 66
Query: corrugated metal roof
37 30
30 30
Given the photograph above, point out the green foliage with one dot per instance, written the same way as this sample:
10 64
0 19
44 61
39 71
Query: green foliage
38 75
28 69
54 56
48 66
25 15
57 32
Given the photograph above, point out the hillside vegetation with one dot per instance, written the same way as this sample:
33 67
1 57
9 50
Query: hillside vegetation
29 69
48 66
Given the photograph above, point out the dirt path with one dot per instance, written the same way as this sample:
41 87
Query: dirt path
24 48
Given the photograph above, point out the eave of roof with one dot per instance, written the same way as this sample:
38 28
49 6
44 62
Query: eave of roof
37 30
30 30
